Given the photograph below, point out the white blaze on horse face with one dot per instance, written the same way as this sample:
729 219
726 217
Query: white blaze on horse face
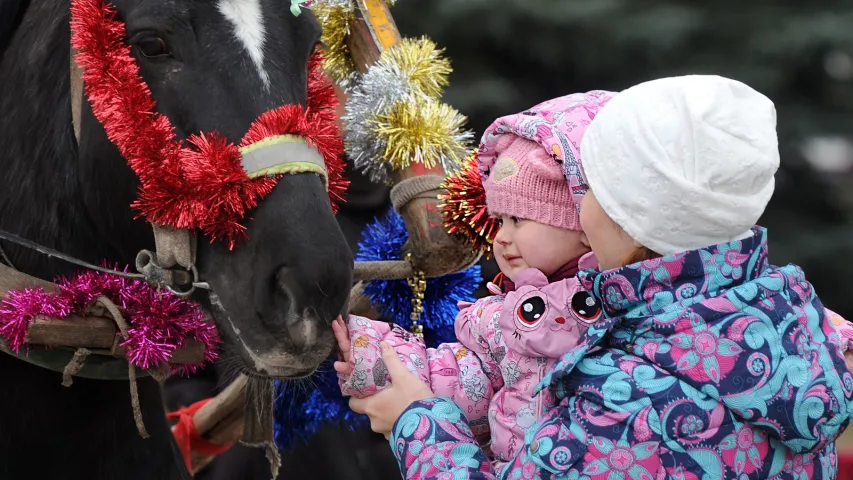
247 19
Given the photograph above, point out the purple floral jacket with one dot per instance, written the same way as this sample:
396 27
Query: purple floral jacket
712 364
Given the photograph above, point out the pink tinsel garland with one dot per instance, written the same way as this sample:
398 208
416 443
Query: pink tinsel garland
160 322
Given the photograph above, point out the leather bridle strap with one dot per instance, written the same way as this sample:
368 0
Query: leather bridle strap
76 95
174 247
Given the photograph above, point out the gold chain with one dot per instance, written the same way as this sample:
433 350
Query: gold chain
418 286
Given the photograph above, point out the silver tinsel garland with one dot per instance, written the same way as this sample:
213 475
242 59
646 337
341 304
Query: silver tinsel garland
374 92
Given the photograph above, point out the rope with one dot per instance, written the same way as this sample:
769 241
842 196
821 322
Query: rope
131 369
415 187
258 429
82 354
382 270
359 303
74 366
187 436
134 401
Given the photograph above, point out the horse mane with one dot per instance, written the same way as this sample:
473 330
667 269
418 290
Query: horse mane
11 13
41 175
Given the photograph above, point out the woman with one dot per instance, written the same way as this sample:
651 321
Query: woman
709 362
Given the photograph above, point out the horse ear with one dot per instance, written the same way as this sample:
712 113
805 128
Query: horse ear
11 13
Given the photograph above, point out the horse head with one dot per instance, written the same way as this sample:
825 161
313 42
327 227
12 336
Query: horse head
217 66
212 65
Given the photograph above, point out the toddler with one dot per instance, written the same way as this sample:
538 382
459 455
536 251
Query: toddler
509 341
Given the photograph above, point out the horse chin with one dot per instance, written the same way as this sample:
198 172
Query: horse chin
271 353
281 364
278 366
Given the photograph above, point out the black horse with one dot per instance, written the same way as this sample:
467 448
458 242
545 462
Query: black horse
334 453
211 65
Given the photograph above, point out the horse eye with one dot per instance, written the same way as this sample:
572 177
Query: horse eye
152 47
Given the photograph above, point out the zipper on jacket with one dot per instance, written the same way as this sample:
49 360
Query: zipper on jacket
539 402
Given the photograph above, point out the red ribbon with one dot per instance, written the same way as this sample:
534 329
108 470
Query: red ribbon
845 464
188 438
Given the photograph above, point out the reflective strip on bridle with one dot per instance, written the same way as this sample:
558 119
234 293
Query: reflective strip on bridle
76 95
283 154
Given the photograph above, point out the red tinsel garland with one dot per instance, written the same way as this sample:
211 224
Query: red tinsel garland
159 322
200 183
463 207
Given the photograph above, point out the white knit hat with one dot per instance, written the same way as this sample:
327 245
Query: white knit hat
685 162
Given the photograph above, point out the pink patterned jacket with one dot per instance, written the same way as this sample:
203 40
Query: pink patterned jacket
507 343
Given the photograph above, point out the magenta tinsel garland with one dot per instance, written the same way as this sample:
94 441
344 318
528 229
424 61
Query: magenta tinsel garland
159 321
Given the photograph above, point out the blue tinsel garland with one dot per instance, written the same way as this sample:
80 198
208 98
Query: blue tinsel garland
301 410
383 240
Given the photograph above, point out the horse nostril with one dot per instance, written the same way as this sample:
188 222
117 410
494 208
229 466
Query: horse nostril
287 295
299 324
302 335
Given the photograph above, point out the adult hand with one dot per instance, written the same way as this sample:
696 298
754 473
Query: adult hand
385 407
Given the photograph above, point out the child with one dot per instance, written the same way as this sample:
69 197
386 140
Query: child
507 342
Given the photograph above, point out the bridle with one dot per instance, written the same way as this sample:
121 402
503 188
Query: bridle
152 272
287 140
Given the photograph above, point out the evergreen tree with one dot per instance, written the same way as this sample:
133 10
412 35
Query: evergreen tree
510 54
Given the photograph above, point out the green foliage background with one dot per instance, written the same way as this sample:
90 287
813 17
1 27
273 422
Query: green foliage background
511 54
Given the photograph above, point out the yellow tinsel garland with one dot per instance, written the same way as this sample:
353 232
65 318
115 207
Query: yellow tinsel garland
421 130
421 62
395 118
335 20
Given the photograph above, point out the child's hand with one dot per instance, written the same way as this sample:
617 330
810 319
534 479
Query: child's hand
345 366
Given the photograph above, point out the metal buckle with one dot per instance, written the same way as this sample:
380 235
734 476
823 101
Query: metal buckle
168 278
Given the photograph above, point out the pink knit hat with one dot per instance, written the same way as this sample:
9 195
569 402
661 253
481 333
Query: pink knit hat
527 183
530 162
